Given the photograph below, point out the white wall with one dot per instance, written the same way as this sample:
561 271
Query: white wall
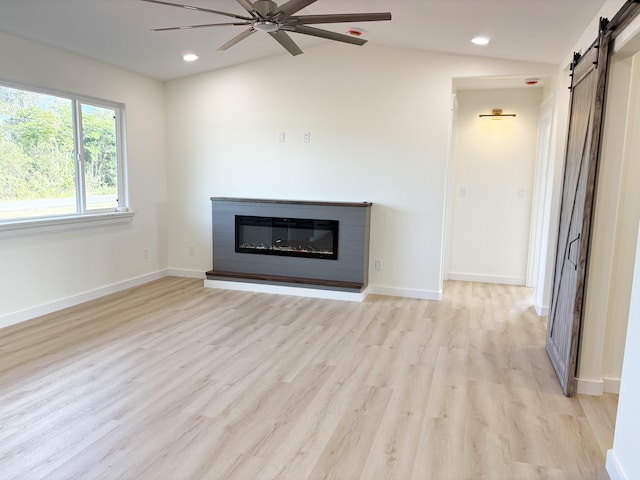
379 121
49 270
617 212
623 461
494 170
626 232
605 217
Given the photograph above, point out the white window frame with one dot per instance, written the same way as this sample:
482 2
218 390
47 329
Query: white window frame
83 218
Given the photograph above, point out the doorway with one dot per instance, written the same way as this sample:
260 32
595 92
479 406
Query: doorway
492 185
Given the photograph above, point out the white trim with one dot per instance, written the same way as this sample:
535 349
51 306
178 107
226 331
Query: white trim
405 292
590 387
471 277
598 387
23 228
285 290
626 43
613 467
28 314
540 310
611 385
445 250
540 186
77 100
181 272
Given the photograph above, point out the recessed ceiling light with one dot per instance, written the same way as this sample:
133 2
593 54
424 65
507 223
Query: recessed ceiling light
190 57
480 40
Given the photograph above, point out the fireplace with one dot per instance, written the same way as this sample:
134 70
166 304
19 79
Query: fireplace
290 243
291 237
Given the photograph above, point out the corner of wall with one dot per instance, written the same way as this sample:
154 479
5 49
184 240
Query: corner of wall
613 467
541 310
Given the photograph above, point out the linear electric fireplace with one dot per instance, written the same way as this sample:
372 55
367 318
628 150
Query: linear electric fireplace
264 242
291 237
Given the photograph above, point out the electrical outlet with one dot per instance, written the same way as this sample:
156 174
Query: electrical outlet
145 253
192 250
378 264
307 137
281 137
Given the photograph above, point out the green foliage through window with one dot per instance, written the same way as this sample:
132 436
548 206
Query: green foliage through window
39 174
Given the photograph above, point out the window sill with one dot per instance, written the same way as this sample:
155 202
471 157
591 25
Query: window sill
23 228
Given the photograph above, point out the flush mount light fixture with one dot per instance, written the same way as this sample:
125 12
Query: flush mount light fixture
190 57
480 41
266 26
496 114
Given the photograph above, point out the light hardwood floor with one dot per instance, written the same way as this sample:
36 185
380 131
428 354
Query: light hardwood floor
174 381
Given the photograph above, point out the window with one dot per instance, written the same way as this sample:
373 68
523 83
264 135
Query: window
60 155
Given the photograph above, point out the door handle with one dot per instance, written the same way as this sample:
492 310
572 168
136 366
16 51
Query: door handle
575 264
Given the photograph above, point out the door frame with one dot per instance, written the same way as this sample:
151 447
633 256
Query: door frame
540 188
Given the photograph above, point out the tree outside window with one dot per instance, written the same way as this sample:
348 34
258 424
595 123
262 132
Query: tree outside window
58 155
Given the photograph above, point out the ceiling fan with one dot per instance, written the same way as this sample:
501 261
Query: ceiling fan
267 16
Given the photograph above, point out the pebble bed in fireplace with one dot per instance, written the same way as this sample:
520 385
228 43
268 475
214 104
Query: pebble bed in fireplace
285 248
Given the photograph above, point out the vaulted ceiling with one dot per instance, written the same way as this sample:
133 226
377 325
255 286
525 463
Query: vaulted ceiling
119 32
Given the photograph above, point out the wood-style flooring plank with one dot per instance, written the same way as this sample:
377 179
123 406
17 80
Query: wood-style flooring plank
170 380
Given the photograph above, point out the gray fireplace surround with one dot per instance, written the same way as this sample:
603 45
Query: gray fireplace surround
348 272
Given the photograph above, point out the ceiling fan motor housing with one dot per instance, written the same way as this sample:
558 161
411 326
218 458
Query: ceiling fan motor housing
264 7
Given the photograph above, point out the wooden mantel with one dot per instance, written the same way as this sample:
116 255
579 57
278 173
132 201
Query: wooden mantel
294 202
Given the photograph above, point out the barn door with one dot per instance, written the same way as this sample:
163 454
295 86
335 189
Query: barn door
583 145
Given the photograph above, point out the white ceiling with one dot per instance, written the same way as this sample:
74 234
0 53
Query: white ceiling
118 31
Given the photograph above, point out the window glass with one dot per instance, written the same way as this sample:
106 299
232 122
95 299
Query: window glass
59 155
37 168
100 157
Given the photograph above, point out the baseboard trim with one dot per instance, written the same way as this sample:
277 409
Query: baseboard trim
470 277
181 272
286 290
598 387
590 387
44 309
405 292
611 385
540 310
613 467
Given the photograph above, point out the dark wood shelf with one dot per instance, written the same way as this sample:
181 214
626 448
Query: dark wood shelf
293 202
283 279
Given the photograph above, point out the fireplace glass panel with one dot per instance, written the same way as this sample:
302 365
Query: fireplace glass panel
294 237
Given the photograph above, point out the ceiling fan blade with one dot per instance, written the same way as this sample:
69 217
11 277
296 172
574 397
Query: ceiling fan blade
285 40
199 9
289 8
248 6
338 18
317 32
237 39
189 27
